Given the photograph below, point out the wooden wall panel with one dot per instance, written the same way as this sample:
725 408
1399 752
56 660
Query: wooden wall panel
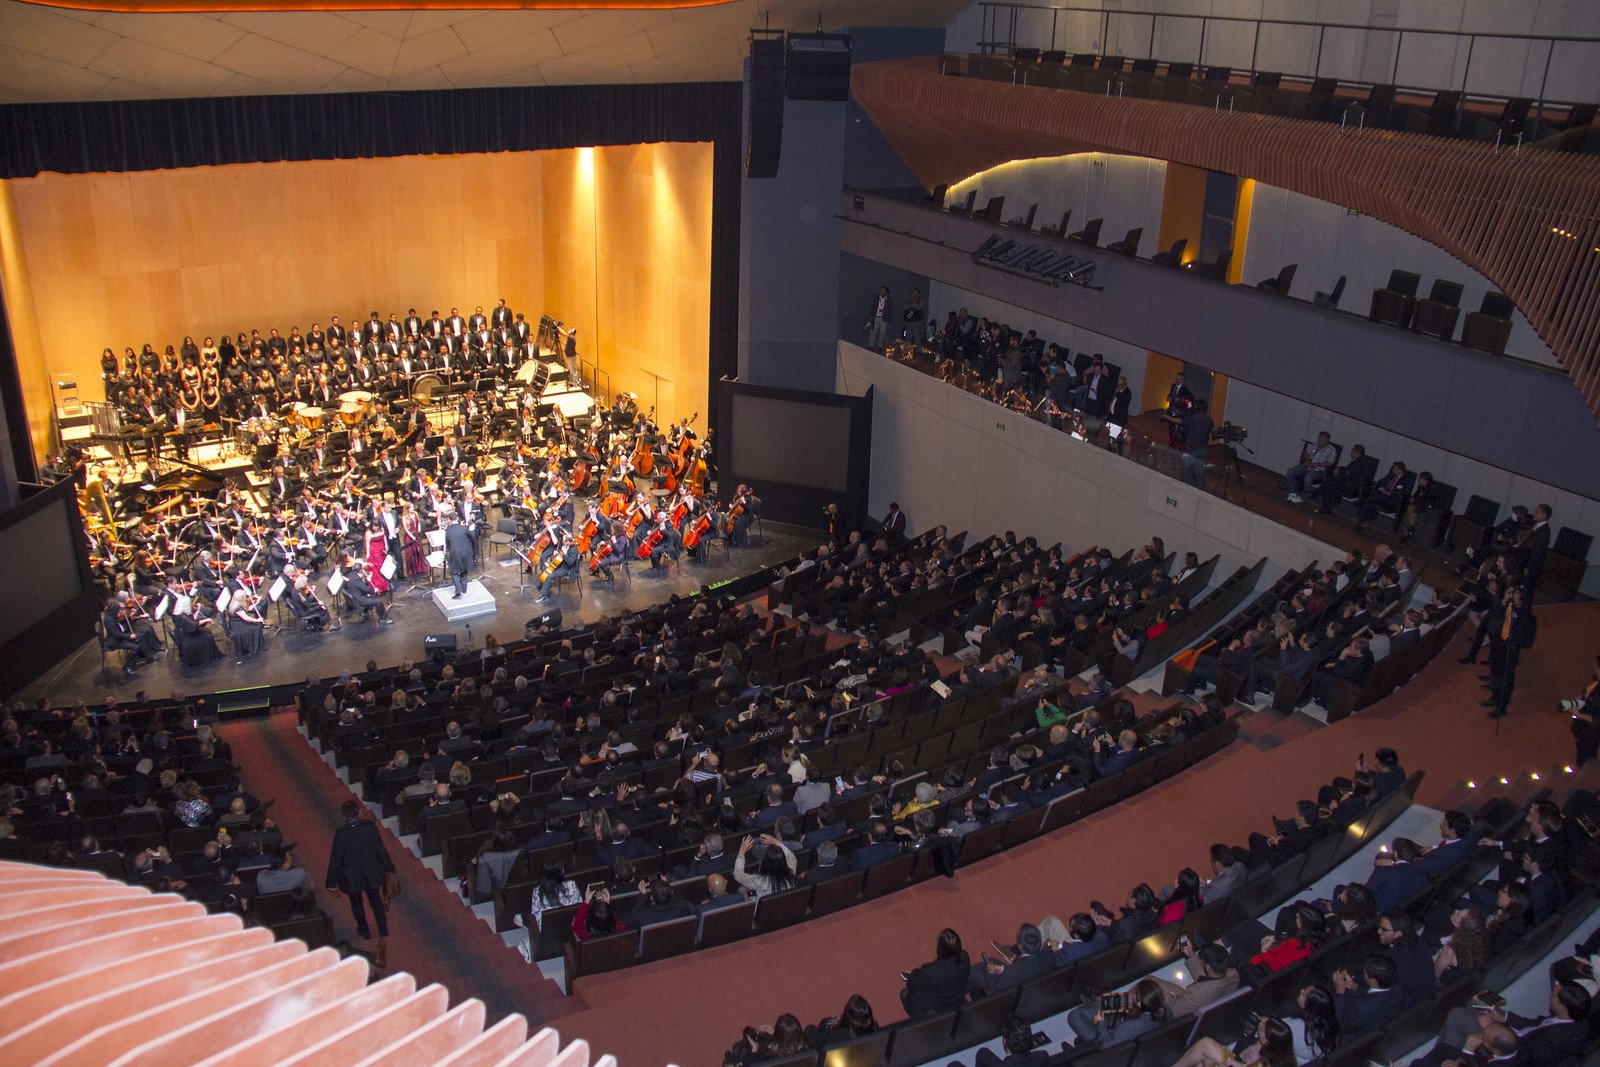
124 259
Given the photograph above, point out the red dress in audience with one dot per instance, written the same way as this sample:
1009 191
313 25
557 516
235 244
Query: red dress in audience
1174 910
1283 953
580 928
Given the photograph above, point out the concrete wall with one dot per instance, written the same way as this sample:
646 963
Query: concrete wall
949 457
1279 424
1497 67
1327 241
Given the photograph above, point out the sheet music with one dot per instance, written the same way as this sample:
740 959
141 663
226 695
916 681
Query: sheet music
436 538
436 559
182 606
335 582
161 608
276 591
223 599
388 567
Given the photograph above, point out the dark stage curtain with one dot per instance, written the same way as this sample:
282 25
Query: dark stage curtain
76 138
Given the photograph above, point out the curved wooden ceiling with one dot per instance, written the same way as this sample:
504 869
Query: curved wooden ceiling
1529 221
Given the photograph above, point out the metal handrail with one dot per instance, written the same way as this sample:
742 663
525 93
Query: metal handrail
994 11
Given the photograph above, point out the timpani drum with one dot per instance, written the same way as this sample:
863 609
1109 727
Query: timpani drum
311 418
353 406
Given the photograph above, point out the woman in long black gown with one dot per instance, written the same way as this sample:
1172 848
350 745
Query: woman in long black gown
195 644
248 625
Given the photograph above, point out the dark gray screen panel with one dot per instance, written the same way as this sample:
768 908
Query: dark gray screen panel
50 576
792 442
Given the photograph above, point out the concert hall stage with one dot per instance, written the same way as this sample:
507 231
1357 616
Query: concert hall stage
291 655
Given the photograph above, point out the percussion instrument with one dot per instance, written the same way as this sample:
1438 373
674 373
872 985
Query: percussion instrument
309 417
353 406
425 385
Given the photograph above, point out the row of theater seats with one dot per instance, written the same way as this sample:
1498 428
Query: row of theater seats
52 829
1319 99
935 1038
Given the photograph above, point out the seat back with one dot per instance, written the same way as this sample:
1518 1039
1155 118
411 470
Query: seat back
868 1051
888 876
1445 292
984 1019
836 893
1404 282
777 910
1496 305
1162 1046
923 1040
672 938
727 924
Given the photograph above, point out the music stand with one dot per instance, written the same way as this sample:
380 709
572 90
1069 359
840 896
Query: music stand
523 570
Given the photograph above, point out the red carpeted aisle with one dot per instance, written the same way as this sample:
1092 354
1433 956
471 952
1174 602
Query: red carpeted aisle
431 933
688 1010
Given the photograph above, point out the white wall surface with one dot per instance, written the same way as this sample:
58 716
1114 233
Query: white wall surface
943 298
1327 241
1496 67
1125 191
1278 424
949 457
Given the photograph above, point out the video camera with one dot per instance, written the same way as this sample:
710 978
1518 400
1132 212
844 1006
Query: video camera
1229 434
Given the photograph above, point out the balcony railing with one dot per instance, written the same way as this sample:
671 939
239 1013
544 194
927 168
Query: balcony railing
1501 86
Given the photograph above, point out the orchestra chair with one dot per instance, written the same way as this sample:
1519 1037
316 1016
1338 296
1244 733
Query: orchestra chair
505 532
107 652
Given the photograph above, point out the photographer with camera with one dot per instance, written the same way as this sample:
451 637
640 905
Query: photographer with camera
1119 1017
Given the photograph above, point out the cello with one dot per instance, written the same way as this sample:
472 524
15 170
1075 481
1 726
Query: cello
601 554
696 532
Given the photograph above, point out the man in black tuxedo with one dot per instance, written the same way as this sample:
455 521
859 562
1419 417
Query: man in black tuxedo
1537 545
412 326
1515 631
358 587
894 524
458 553
1348 479
336 334
357 865
501 316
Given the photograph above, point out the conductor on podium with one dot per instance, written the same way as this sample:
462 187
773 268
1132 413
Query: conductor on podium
458 556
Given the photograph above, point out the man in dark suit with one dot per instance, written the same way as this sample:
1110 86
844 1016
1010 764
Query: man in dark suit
1030 961
894 524
879 847
1514 631
458 553
1349 479
1394 883
1387 495
825 865
1537 545
357 865
1370 1002
1553 1038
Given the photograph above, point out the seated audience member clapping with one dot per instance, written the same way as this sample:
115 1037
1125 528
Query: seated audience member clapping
594 917
764 870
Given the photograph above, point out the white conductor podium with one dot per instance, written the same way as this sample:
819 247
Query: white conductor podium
474 602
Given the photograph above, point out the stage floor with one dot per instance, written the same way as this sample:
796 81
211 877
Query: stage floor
291 655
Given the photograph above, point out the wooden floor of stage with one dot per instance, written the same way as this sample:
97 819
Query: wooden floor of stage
291 655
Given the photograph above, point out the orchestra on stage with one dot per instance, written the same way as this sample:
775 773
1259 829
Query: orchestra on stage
375 455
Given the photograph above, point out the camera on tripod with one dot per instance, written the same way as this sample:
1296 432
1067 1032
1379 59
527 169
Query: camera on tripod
1229 434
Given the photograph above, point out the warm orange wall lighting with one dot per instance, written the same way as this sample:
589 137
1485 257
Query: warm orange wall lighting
141 7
